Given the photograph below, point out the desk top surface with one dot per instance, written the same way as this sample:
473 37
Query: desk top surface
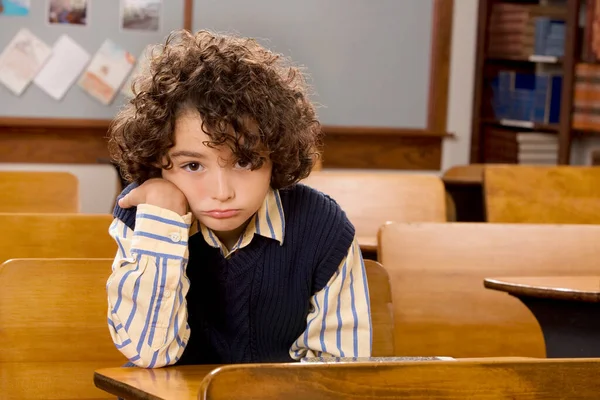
153 384
185 382
574 288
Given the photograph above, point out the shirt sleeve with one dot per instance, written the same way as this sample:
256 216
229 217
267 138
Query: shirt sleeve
339 323
147 313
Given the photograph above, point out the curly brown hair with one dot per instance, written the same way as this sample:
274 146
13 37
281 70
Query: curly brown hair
229 81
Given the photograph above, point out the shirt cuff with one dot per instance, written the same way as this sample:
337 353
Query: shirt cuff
160 230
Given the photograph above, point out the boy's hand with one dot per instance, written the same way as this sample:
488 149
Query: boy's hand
157 192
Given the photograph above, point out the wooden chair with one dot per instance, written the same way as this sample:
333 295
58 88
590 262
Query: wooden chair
55 236
542 194
38 192
382 317
463 184
53 331
465 174
372 198
451 380
441 307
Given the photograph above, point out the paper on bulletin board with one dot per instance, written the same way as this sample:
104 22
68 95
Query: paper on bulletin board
140 68
62 68
104 76
21 60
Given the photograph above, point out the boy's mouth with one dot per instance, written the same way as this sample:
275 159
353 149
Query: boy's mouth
221 214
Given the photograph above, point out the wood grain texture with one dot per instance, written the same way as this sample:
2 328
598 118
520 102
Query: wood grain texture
153 384
85 142
38 192
54 333
439 71
382 312
55 236
568 288
542 194
441 307
370 199
382 151
48 141
524 380
188 14
490 378
571 54
471 174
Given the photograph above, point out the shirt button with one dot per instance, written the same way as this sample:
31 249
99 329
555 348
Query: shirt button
167 293
175 237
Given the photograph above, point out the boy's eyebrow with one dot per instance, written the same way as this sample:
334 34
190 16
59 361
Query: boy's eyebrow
187 153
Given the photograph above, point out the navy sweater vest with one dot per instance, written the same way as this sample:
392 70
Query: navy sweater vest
253 306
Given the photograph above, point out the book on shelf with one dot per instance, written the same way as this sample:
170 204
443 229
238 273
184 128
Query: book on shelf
513 147
521 30
537 148
586 97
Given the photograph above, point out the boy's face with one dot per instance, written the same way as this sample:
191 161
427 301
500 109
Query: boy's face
222 194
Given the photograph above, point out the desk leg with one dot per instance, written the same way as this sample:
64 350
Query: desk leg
571 329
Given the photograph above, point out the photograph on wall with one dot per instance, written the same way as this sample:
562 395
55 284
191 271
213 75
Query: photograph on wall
14 8
107 71
21 60
141 15
69 12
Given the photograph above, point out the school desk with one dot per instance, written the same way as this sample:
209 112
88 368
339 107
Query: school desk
566 307
389 377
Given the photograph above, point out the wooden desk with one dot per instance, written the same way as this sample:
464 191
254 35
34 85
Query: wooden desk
153 384
566 307
490 378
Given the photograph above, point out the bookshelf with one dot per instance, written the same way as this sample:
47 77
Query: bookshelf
526 56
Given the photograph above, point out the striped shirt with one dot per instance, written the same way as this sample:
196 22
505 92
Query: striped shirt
147 313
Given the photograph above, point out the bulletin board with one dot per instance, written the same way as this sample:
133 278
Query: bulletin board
103 22
369 61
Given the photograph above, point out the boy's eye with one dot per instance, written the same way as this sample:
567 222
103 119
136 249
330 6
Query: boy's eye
192 167
243 164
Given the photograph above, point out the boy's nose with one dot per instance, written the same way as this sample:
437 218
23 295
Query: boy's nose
222 188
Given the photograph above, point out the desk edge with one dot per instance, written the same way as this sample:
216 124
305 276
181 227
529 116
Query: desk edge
121 389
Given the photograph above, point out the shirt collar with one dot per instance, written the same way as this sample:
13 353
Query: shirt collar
268 222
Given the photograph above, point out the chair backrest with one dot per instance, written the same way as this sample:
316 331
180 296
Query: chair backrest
53 331
441 307
372 198
55 235
491 380
382 313
542 194
38 192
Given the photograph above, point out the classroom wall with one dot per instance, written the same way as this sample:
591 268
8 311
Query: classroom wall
97 182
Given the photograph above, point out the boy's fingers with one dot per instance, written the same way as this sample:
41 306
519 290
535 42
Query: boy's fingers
131 199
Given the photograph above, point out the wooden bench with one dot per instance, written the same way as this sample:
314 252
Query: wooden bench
441 307
38 192
489 379
55 236
542 194
372 198
53 329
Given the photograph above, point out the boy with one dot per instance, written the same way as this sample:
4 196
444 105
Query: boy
223 257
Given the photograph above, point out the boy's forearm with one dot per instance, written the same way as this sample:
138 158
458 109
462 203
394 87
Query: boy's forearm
147 313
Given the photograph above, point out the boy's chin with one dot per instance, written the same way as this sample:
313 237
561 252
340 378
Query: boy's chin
221 225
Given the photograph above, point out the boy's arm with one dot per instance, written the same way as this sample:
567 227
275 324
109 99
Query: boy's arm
339 324
147 314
